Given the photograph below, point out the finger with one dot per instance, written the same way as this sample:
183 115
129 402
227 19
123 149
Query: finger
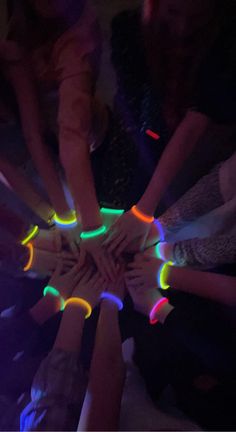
58 241
112 264
121 247
87 276
74 271
95 280
82 258
108 266
134 265
100 267
136 282
59 268
66 254
132 274
112 234
74 249
116 242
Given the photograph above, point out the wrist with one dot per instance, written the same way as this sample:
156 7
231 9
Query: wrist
164 251
91 218
45 309
141 215
93 232
145 207
157 310
163 275
113 299
108 307
79 303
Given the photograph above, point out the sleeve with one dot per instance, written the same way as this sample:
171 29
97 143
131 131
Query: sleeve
203 197
207 252
56 395
76 59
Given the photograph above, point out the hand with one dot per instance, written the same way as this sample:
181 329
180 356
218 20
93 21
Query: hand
143 272
127 234
48 240
71 240
65 282
45 262
144 300
103 259
118 287
90 287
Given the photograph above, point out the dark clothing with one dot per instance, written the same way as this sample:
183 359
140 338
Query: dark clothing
129 156
197 339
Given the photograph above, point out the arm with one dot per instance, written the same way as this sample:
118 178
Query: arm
208 252
58 388
21 78
101 407
212 286
203 197
177 151
75 120
24 189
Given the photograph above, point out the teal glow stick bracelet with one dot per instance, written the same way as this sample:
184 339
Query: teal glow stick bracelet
54 292
93 233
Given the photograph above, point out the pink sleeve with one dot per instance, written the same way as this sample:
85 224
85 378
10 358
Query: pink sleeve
76 59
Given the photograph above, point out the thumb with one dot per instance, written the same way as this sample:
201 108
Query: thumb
82 258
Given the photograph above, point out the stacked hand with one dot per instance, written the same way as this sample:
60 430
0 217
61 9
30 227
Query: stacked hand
128 234
103 259
90 286
142 273
65 282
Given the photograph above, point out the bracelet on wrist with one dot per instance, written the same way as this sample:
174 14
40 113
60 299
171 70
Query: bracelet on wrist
65 223
50 290
79 302
113 298
31 234
162 275
160 229
141 216
111 211
29 263
156 308
93 233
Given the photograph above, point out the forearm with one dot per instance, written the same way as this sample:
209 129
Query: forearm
106 375
44 309
212 286
208 252
48 172
80 178
177 151
108 348
20 77
24 189
71 329
203 197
